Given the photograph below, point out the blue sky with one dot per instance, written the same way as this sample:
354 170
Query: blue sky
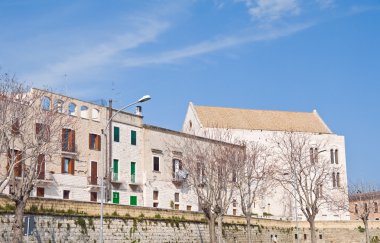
295 55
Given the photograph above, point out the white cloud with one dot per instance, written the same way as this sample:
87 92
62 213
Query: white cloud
99 54
212 46
325 3
267 11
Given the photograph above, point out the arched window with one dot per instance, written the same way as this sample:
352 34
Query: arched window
72 109
311 155
84 111
95 114
332 156
376 208
338 179
45 103
58 105
334 179
336 156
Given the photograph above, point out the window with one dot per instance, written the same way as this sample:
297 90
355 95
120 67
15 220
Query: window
356 208
41 167
234 203
133 172
84 111
155 195
155 204
15 158
156 163
95 114
116 134
311 155
305 236
72 109
177 166
188 207
115 176
320 236
176 197
334 179
40 192
365 207
94 142
45 103
176 206
58 106
133 200
68 140
115 197
338 179
42 132
67 166
332 156
133 137
376 208
234 211
15 126
66 194
93 196
295 236
234 177
336 156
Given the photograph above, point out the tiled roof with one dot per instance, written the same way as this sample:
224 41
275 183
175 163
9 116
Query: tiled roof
248 119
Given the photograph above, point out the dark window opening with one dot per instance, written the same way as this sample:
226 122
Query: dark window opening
66 194
94 142
156 163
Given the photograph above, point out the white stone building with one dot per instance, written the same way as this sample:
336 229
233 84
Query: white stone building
260 126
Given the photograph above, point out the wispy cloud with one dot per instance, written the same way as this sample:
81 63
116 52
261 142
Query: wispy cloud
324 4
212 46
100 54
268 11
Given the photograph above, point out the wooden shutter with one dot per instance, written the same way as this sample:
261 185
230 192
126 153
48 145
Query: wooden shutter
41 167
89 141
71 166
133 137
63 165
99 142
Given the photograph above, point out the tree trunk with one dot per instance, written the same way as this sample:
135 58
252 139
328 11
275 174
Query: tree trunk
220 229
313 236
211 228
18 223
249 236
366 231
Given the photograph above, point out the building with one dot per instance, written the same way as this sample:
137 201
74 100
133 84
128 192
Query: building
262 125
362 204
142 164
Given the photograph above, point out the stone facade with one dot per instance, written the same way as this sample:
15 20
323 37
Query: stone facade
73 221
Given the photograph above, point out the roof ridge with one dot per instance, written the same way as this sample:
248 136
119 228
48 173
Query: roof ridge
250 109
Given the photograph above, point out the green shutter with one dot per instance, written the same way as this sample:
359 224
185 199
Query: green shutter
133 200
133 137
116 134
133 172
115 197
133 168
115 166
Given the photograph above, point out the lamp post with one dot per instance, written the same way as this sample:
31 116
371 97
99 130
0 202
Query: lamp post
295 186
104 131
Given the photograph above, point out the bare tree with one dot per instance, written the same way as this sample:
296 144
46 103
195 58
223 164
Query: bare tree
210 165
253 179
30 137
364 199
308 177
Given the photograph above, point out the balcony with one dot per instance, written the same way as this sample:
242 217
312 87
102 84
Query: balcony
115 178
93 182
45 178
134 181
179 176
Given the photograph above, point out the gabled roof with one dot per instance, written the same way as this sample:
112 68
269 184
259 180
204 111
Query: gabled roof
234 118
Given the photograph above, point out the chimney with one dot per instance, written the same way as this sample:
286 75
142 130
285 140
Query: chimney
138 110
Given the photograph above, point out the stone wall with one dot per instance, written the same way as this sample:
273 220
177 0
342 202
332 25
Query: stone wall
68 221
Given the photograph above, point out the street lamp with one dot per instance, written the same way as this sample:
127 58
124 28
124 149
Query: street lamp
295 186
104 131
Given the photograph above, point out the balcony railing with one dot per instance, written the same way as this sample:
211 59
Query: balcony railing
93 180
115 177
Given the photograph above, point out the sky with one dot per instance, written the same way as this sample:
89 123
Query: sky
291 55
